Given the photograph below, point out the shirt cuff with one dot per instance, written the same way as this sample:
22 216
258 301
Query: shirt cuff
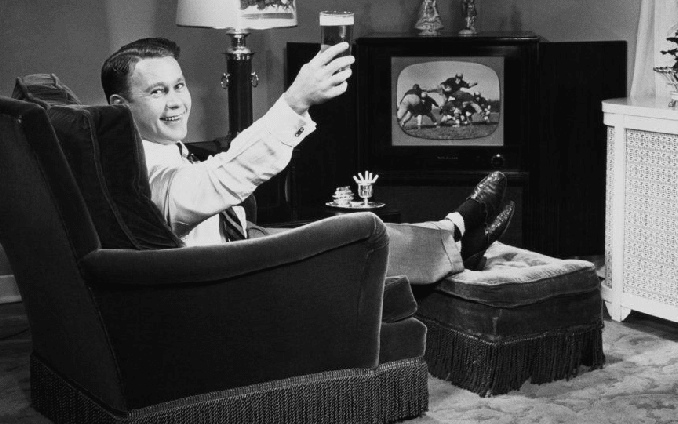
290 127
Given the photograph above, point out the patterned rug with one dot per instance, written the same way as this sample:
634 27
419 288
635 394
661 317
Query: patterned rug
638 385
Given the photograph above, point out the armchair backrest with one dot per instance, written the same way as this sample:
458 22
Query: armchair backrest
45 245
103 148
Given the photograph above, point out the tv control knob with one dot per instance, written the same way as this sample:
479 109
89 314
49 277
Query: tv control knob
497 161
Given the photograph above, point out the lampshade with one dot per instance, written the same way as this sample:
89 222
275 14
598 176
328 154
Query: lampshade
237 14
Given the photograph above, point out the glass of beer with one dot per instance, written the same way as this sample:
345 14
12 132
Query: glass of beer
335 27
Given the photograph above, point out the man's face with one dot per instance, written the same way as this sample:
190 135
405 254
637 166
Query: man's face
159 100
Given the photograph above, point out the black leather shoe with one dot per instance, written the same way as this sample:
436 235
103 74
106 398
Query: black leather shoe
474 261
500 223
490 194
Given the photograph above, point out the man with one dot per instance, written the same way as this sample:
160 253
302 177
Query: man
426 109
453 86
416 102
462 103
146 76
410 100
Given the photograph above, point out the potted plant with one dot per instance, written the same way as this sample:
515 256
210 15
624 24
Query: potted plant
670 73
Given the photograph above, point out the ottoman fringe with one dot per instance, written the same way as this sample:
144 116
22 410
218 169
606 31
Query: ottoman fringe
497 367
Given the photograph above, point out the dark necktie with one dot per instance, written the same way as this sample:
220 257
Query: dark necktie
230 222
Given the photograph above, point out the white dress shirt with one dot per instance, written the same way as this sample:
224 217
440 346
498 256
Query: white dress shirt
191 195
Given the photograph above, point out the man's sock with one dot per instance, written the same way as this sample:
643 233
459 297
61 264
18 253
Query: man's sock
459 225
468 240
473 242
473 213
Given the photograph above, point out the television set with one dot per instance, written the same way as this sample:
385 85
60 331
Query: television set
448 104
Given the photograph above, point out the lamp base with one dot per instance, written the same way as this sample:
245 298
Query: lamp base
239 80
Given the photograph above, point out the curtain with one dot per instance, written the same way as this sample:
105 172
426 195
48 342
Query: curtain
658 19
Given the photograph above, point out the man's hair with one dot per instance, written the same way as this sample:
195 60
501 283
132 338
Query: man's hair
117 68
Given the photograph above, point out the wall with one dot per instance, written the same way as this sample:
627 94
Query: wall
71 38
555 20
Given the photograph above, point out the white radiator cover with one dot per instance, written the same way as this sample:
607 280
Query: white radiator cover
641 233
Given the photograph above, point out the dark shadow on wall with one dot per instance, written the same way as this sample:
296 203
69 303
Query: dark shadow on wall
63 37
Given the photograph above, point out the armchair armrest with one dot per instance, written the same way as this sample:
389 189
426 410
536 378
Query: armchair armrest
209 263
304 301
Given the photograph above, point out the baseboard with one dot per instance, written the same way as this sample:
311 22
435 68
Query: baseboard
9 292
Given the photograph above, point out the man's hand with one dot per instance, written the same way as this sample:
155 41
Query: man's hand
321 79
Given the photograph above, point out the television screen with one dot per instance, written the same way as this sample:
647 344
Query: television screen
447 101
452 105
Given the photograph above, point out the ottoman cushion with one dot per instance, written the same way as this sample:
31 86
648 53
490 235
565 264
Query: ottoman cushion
514 277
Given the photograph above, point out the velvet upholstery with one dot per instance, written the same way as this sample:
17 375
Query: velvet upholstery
525 316
190 334
46 230
401 339
494 323
514 277
43 89
102 146
232 284
399 302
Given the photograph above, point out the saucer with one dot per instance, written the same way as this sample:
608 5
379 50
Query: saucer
357 205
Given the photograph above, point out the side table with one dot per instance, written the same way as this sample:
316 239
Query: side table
641 231
386 213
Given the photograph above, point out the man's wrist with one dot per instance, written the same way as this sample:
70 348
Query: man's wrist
295 103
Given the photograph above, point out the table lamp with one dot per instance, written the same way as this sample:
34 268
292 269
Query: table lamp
238 17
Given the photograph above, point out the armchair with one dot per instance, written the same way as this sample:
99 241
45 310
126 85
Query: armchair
286 328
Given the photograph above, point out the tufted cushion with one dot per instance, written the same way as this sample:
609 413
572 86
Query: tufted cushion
103 149
514 277
43 89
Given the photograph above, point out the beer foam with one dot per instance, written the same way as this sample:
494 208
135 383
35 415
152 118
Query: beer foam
341 18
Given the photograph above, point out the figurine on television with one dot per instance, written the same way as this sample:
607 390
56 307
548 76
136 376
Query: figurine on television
429 22
470 13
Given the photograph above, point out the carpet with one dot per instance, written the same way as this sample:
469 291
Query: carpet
639 383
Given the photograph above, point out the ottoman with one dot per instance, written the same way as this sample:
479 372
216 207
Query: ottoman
524 316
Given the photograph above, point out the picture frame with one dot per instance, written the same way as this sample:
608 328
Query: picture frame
450 132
